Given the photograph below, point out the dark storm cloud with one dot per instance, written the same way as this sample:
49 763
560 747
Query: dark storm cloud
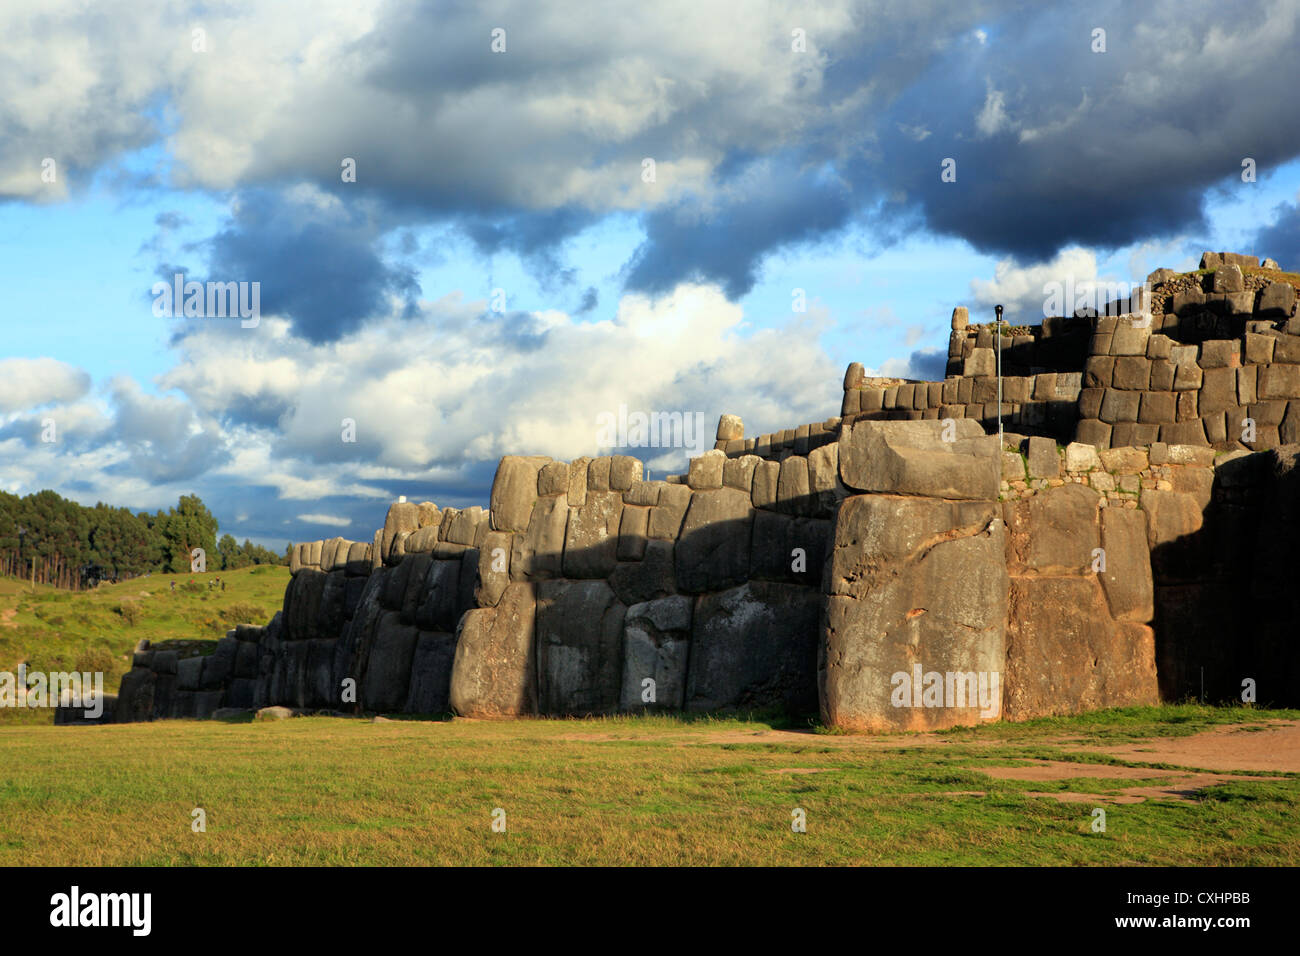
1281 240
319 267
1101 148
771 204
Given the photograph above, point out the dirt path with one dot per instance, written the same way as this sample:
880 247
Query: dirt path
1200 760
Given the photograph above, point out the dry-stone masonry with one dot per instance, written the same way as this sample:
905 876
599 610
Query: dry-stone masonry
895 567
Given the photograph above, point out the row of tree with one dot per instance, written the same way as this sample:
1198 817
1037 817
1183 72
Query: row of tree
69 545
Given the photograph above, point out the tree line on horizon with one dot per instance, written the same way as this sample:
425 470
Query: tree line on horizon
70 545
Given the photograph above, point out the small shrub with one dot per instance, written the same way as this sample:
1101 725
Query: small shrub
245 612
130 612
95 660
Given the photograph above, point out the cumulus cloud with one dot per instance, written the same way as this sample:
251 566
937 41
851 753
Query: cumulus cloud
30 383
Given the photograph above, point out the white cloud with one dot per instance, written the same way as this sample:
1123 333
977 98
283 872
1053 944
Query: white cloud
332 520
29 383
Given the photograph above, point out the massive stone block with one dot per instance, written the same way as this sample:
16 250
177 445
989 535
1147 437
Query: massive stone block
514 489
1054 531
388 668
539 552
494 672
437 607
784 548
656 647
754 647
591 537
651 577
914 583
1065 654
912 458
430 686
579 647
1127 576
713 550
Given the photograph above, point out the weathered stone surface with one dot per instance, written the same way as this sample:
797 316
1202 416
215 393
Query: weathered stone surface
1092 431
712 552
493 568
706 470
538 553
1066 654
598 474
189 671
219 666
430 685
275 712
578 481
787 548
656 647
914 582
632 533
1054 531
1129 339
1081 457
1219 392
1042 458
767 478
553 478
514 490
793 495
731 427
1276 300
1220 353
666 517
1127 577
1187 376
623 471
980 362
738 473
437 603
754 647
494 671
1228 278
388 668
646 493
591 538
1277 381
1124 461
914 458
403 516
1120 406
1132 372
1013 466
579 647
651 577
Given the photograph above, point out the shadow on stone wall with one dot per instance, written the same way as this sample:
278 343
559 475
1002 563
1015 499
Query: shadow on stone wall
1225 564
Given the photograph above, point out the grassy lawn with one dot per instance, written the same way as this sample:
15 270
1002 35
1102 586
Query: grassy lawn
55 630
640 791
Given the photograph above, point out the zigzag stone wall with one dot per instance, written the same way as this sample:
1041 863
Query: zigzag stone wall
893 568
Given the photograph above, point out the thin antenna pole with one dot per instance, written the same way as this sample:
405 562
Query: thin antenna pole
997 343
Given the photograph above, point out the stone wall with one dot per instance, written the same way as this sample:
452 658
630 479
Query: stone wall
807 569
1207 358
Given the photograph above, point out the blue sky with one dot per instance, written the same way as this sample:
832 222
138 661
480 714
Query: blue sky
775 171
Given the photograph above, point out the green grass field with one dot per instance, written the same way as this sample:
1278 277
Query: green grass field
53 630
633 791
621 791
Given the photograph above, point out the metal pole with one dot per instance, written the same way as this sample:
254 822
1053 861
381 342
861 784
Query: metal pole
997 344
